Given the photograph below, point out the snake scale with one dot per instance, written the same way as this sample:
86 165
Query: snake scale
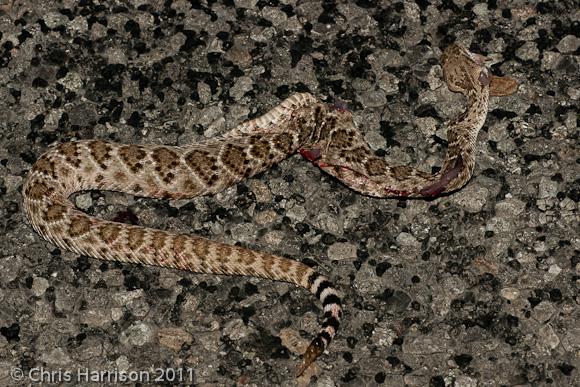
323 133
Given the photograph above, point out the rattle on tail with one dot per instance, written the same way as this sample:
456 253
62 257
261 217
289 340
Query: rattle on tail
324 134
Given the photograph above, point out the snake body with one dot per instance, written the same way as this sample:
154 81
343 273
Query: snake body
324 134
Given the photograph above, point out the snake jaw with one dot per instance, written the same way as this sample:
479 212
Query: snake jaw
313 351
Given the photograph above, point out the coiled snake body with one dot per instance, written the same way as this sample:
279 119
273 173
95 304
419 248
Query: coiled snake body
324 134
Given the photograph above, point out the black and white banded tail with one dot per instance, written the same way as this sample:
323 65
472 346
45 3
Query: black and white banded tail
332 306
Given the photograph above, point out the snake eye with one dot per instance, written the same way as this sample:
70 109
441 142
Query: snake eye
484 77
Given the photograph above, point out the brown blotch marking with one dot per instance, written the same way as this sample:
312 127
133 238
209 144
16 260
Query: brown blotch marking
45 166
200 248
376 166
120 177
284 265
284 142
204 164
101 152
269 262
188 186
165 161
135 237
90 240
109 232
260 149
341 138
137 188
359 154
158 239
79 226
132 156
246 258
234 158
301 270
37 190
223 251
180 244
54 213
402 171
88 169
151 184
70 150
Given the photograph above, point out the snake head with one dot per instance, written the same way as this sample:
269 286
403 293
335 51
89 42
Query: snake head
465 72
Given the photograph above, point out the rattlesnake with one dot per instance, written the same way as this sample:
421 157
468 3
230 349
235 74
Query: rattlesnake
325 134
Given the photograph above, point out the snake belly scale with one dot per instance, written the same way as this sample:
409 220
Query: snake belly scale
324 134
